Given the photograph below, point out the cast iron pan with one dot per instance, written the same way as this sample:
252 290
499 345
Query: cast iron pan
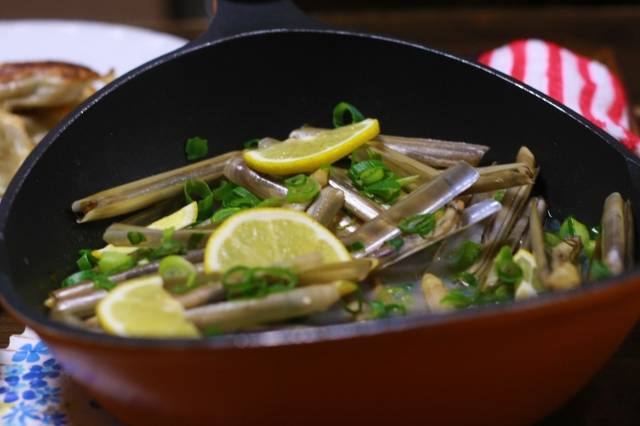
263 69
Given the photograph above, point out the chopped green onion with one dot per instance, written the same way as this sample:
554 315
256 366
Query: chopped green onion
407 180
301 188
396 243
242 282
77 278
86 260
459 298
196 148
572 227
341 109
465 255
135 237
198 190
112 262
222 214
211 331
499 195
421 224
355 246
101 281
551 239
599 271
168 247
251 143
271 202
387 190
195 240
468 278
241 197
379 309
507 270
177 268
224 191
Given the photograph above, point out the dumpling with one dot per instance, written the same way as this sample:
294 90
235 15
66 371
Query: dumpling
27 85
15 145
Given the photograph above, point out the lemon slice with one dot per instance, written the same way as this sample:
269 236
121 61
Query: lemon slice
142 308
176 220
268 236
296 156
526 287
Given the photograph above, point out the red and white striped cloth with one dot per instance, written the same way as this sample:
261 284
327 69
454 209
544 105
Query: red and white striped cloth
584 85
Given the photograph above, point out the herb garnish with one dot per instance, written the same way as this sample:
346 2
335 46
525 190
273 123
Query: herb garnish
251 143
465 255
243 282
198 190
421 224
196 148
135 237
301 188
507 270
343 108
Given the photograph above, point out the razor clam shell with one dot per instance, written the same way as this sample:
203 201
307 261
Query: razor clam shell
81 306
470 216
193 256
238 172
141 193
613 233
240 314
117 235
536 236
201 295
426 199
491 178
326 206
359 206
433 152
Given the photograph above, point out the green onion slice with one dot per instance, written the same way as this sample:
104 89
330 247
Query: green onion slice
112 262
507 270
196 148
251 143
465 255
176 268
421 224
301 188
343 108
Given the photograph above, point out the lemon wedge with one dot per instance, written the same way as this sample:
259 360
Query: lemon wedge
296 156
142 308
176 220
268 236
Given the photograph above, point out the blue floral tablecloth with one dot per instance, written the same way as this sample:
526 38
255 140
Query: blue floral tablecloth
34 390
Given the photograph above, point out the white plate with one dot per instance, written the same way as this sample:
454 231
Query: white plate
32 392
98 45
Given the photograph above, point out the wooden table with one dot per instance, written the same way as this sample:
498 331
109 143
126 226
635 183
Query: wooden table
610 34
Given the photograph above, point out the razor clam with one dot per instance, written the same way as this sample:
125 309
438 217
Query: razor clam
361 207
118 235
512 204
450 224
326 206
564 274
434 152
201 295
239 173
426 199
144 192
240 314
321 176
345 224
536 237
491 178
81 306
193 256
614 234
151 214
629 233
519 237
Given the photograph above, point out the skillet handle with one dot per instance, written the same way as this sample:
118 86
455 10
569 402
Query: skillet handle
234 17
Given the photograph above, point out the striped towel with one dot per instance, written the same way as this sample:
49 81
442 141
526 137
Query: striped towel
584 85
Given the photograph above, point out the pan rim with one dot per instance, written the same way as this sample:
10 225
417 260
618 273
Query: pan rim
318 334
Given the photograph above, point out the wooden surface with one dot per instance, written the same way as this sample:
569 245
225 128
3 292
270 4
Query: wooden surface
610 34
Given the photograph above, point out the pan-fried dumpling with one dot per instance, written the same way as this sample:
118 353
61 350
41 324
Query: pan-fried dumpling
15 145
26 85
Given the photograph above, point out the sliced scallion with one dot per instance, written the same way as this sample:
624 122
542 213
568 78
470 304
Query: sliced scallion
196 148
301 188
343 108
421 224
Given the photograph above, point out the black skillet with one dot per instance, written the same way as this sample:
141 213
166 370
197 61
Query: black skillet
262 69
